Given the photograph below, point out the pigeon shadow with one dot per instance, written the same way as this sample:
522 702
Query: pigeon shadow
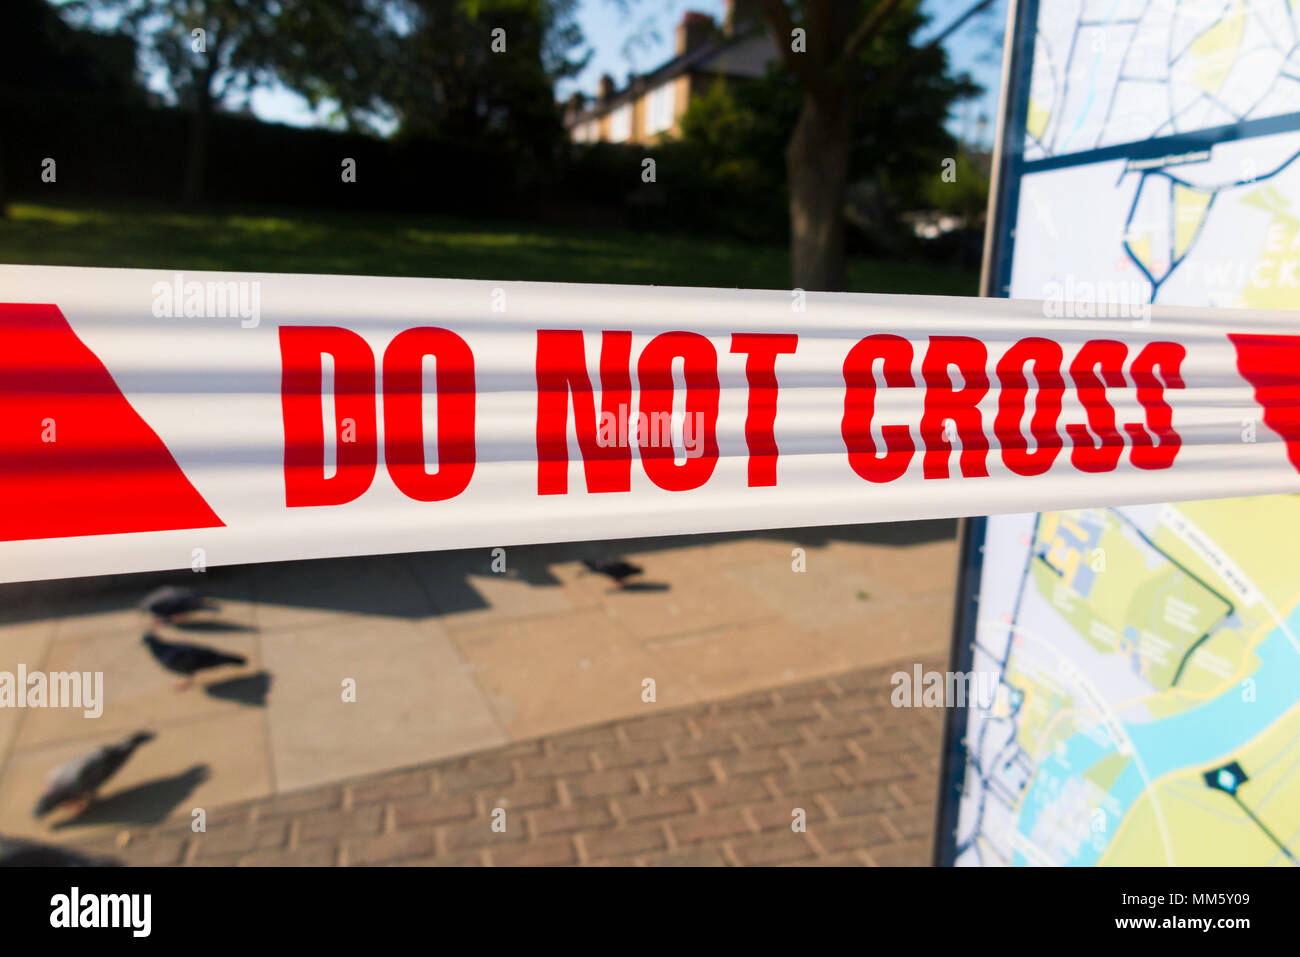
20 853
247 689
643 586
147 803
210 625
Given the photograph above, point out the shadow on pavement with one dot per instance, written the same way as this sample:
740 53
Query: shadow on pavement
249 689
146 803
399 585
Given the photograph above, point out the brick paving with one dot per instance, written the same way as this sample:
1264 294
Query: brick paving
712 784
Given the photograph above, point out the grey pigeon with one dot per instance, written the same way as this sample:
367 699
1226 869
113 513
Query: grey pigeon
171 601
80 778
616 568
17 852
185 659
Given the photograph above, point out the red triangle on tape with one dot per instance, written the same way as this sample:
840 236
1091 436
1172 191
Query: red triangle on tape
75 457
1272 365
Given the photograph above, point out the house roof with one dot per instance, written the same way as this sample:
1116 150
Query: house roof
744 55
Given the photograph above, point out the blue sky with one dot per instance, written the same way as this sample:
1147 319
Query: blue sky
607 29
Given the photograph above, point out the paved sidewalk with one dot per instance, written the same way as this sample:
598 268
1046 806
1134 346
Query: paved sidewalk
715 784
448 657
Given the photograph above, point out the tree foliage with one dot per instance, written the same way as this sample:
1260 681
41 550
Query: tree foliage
424 66
740 130
473 71
484 68
232 54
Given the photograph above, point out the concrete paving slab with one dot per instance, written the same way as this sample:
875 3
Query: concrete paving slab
560 671
415 700
207 762
468 594
678 598
726 661
21 644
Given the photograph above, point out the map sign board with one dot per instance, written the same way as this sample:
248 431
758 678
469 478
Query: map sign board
1145 660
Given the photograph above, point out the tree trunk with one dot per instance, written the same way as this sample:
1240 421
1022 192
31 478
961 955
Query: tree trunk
200 134
817 168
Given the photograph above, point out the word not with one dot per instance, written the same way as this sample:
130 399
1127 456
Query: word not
562 372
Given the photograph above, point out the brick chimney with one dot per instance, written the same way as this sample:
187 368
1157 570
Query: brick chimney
694 30
606 88
741 16
574 106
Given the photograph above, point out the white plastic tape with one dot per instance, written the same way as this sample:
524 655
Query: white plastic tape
154 420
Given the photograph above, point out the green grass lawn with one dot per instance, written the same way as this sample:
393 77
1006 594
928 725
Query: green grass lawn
372 244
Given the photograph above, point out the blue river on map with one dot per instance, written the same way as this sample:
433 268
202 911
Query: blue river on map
1196 736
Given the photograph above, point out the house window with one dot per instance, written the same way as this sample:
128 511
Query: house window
659 109
620 123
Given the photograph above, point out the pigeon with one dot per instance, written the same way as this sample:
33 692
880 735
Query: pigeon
616 568
77 781
171 601
185 659
16 852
